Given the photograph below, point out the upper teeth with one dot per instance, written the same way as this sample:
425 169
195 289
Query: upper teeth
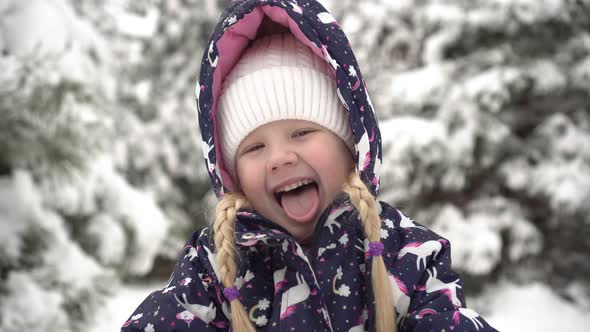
295 185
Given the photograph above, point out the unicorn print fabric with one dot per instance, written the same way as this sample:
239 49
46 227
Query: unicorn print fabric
283 286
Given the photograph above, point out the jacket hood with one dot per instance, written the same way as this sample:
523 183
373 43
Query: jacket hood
313 26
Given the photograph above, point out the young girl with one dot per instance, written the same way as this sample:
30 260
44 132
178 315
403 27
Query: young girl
293 151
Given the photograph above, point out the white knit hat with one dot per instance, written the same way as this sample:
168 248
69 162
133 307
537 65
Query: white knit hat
277 78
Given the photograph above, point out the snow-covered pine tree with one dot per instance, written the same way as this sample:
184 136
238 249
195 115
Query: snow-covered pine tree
107 97
160 144
49 124
42 127
487 109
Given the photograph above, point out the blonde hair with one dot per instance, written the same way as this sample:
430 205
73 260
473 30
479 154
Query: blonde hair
360 197
223 236
365 202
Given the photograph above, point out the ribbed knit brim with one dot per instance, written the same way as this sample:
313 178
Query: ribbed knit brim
277 78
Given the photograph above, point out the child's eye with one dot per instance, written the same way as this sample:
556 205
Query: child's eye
252 148
303 132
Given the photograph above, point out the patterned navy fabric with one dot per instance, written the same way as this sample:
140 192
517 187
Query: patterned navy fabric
327 288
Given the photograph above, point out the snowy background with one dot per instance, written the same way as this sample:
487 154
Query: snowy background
484 108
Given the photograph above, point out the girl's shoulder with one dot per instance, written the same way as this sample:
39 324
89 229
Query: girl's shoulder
199 252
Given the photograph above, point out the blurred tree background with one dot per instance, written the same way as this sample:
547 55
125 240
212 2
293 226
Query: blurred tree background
484 108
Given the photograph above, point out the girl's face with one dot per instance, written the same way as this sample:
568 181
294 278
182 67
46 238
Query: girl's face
290 171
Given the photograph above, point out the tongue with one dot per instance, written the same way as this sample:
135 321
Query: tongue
301 204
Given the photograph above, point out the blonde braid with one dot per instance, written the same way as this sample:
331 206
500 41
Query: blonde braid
224 238
365 202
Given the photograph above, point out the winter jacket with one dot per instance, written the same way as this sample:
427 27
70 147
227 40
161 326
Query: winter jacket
282 286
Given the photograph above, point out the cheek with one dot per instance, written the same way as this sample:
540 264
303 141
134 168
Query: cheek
335 158
251 181
335 165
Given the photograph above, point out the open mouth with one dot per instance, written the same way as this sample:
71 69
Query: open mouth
299 200
293 188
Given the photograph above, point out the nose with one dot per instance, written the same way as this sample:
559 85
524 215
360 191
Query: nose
281 157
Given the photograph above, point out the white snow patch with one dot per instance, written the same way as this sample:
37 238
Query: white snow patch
476 237
476 246
104 191
63 253
51 31
566 183
563 177
399 6
22 34
132 24
120 307
548 76
404 138
417 86
534 307
486 18
406 134
581 74
353 24
436 45
109 237
526 240
14 202
491 87
136 209
516 173
28 305
410 130
444 14
532 11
